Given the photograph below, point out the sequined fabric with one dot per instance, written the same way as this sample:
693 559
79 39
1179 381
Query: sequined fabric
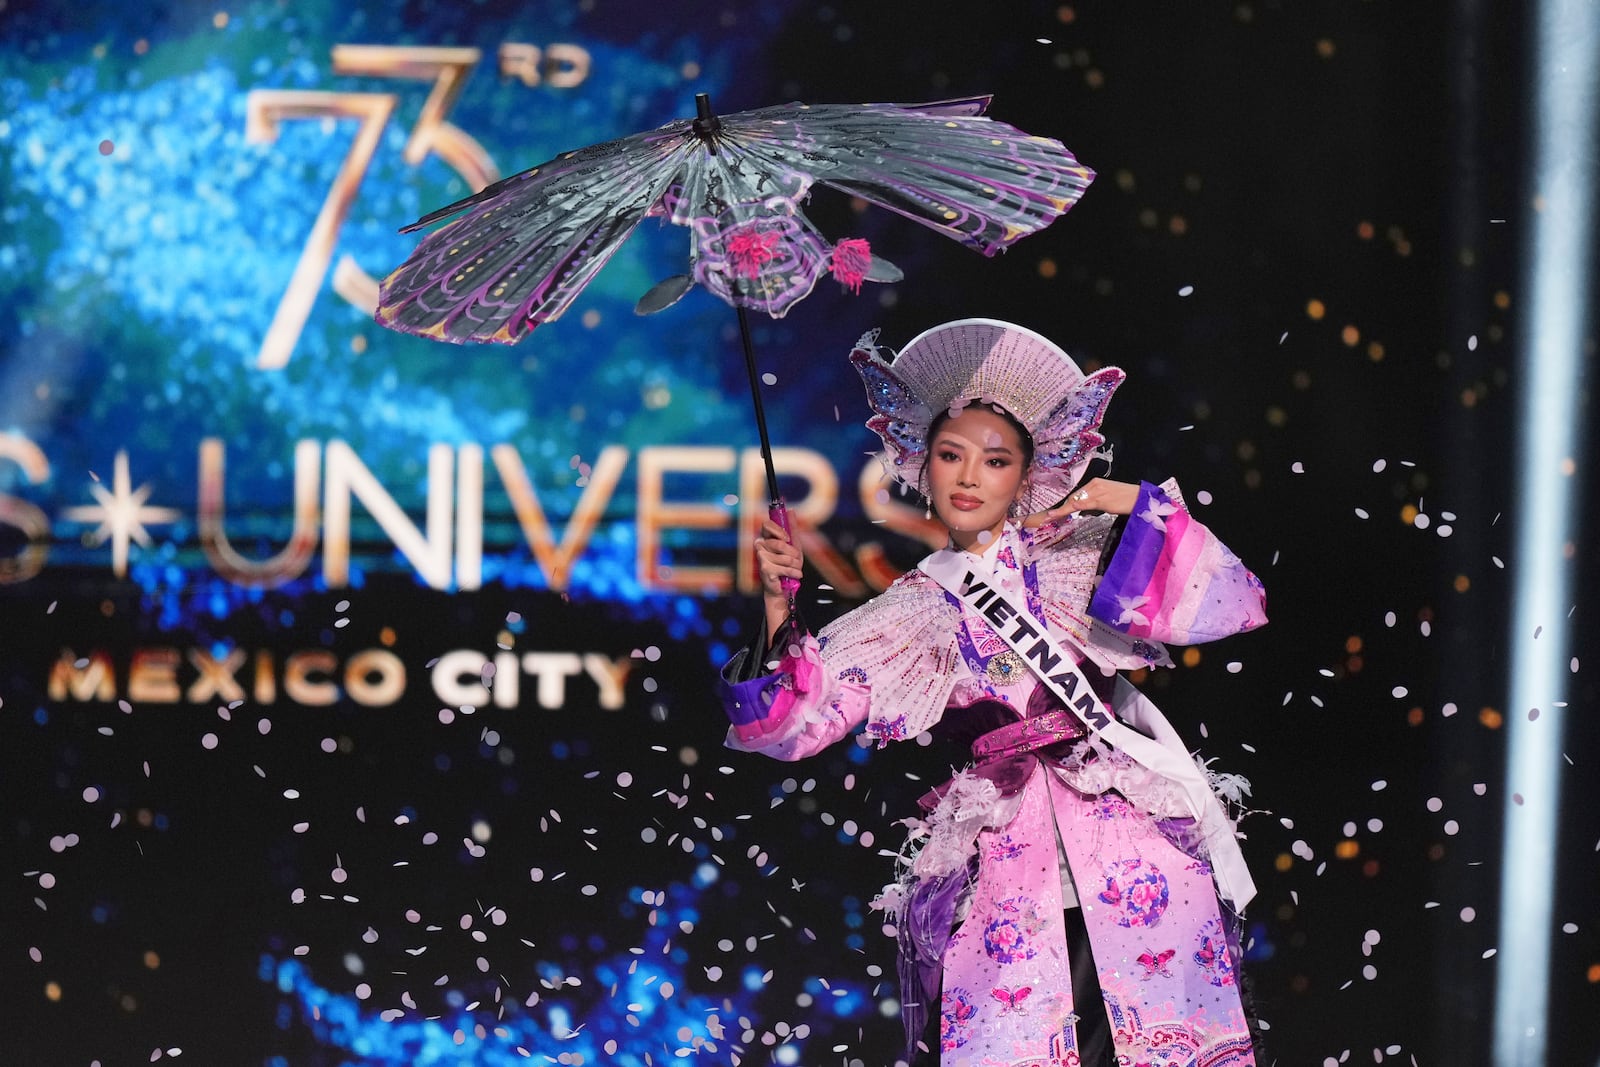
1033 830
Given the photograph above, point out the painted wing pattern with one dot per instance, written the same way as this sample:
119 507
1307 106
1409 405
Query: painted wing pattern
527 245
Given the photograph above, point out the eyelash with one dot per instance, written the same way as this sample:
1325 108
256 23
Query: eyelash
997 462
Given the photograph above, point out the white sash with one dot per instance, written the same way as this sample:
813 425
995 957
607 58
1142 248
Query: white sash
1057 669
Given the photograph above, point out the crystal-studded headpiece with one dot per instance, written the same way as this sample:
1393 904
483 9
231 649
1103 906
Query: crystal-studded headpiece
989 362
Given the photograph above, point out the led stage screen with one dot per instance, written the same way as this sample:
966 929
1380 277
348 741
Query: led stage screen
357 688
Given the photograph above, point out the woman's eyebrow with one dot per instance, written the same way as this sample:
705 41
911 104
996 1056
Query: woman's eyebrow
959 442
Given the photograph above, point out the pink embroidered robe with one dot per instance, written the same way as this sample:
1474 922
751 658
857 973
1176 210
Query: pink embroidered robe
1079 828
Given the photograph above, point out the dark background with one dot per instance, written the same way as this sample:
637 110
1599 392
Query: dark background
1360 158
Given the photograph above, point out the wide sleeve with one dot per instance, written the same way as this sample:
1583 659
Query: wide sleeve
792 712
890 664
1172 580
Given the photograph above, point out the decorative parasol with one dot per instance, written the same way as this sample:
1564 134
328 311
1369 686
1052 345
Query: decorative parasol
528 244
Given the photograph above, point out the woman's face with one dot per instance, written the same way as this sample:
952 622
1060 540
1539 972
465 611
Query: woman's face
975 469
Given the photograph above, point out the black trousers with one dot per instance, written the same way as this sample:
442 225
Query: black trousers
1094 1028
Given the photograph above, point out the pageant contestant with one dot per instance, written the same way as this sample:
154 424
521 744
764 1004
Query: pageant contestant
1055 904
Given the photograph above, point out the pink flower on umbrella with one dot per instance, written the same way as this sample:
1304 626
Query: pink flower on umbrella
767 262
852 258
750 251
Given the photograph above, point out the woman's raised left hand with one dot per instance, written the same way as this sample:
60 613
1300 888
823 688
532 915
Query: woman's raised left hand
1100 495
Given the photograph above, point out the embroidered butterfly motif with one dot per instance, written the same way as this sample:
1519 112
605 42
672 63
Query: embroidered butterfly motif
1012 999
1130 606
1112 893
1156 512
1156 964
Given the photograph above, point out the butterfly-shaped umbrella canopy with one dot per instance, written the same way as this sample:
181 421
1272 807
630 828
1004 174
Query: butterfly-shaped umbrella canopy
528 244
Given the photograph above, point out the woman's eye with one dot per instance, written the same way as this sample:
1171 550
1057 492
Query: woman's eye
997 462
948 456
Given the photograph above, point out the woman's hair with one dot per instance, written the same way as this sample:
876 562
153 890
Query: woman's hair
1022 434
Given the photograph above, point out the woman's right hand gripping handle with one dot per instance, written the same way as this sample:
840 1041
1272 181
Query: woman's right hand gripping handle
777 558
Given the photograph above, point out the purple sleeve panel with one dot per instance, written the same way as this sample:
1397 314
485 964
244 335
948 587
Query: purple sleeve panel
1172 580
772 713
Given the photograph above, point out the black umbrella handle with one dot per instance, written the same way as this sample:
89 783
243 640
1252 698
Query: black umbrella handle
775 509
755 400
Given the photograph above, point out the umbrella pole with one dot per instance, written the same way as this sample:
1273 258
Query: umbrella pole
761 412
775 509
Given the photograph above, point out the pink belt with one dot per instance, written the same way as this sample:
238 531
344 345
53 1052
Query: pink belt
1003 754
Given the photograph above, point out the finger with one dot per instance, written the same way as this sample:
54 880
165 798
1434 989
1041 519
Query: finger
772 580
778 558
777 548
773 530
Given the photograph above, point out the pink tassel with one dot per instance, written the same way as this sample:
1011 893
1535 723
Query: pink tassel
751 250
852 258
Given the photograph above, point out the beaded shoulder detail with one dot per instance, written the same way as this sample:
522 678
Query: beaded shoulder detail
902 644
1067 560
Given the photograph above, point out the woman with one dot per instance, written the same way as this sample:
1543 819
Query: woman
1056 904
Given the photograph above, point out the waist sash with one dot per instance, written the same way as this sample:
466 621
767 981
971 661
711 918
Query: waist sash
1057 669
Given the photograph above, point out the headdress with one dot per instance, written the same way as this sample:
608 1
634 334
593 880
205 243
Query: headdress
989 362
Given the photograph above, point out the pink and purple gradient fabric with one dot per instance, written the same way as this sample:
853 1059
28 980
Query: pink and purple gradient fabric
1172 580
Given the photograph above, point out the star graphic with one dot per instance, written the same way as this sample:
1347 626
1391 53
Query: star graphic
122 515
